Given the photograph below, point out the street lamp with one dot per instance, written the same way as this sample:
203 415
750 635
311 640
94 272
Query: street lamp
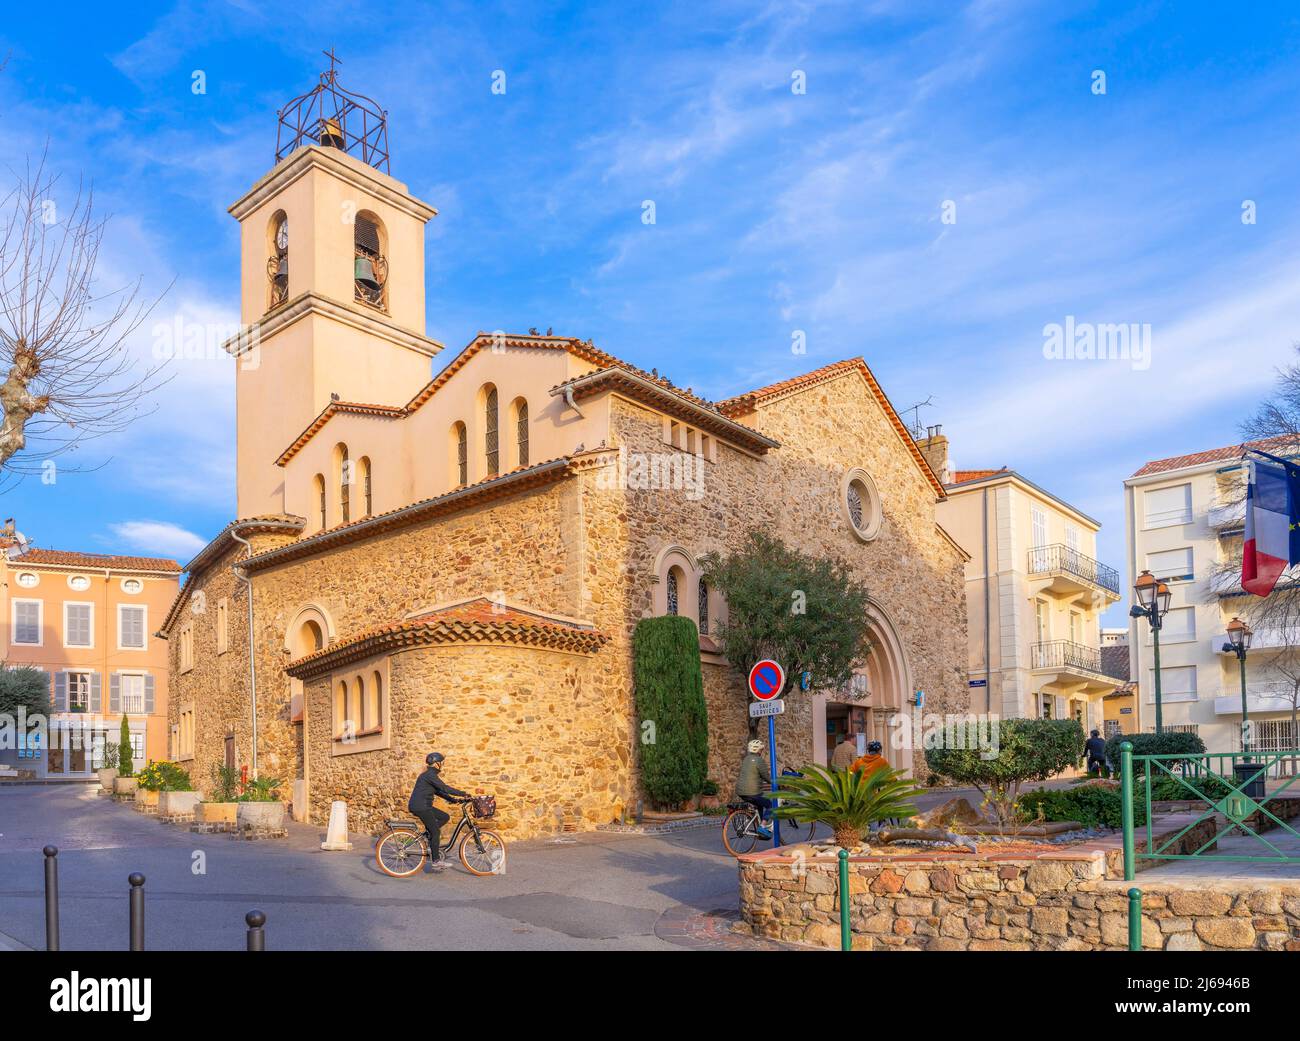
1239 634
1152 603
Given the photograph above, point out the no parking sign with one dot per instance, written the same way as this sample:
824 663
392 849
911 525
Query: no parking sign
766 680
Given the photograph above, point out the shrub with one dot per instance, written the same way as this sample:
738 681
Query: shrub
261 790
164 776
24 687
225 783
671 709
126 765
1092 805
847 800
1027 750
1168 743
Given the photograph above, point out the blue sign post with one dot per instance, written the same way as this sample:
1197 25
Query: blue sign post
766 681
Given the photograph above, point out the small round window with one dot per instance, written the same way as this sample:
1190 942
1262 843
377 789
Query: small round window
79 583
132 585
860 503
28 579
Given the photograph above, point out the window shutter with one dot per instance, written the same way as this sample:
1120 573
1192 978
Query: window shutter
114 693
96 695
60 692
28 629
148 692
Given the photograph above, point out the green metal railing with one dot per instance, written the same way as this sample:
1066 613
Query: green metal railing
1237 806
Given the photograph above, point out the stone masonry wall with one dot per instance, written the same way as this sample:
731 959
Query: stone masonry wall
532 727
914 573
1006 903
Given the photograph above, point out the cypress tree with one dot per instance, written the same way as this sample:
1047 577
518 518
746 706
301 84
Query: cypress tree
673 717
126 766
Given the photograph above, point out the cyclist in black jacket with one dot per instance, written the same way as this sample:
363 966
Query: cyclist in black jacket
428 786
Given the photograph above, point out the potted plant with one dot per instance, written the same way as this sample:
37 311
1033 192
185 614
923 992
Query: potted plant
850 801
709 798
220 806
176 797
107 766
124 784
260 806
157 778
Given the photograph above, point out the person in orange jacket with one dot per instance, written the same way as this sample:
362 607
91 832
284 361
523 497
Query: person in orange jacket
872 761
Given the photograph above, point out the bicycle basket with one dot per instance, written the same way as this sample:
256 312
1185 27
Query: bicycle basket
484 805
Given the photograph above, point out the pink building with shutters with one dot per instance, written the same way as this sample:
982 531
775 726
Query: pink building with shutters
87 620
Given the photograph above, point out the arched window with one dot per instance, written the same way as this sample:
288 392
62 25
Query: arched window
519 429
345 482
319 489
367 492
491 437
357 707
370 266
277 264
375 696
460 454
704 608
675 577
341 710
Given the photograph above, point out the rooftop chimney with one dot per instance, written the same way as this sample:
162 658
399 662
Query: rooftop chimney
934 446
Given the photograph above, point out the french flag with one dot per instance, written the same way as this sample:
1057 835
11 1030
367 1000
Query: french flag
1272 540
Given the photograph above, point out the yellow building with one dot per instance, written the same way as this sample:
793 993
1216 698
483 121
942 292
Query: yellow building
1035 593
87 620
458 562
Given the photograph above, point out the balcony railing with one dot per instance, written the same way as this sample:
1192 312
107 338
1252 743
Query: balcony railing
1059 557
1067 656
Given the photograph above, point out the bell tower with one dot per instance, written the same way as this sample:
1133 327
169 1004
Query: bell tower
331 283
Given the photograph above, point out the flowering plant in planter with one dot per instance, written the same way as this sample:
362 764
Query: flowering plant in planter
164 776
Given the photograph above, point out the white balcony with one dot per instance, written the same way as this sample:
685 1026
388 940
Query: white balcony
1227 516
1260 698
1262 640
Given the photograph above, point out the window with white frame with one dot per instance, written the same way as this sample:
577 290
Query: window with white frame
1038 522
1177 683
1179 623
78 624
131 686
28 622
1165 507
78 692
1172 565
131 626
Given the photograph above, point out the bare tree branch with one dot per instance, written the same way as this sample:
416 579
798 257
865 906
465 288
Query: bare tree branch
68 372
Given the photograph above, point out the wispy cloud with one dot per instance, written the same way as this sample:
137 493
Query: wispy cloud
158 537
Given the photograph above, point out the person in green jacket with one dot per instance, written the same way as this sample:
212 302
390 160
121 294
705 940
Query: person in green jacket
752 782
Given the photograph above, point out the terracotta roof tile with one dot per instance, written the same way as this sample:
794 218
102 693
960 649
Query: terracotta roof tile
961 476
751 400
72 558
475 621
1215 455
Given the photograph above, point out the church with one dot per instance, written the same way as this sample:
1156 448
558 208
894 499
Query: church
456 561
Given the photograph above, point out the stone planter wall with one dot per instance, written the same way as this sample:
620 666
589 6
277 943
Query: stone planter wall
177 807
1066 899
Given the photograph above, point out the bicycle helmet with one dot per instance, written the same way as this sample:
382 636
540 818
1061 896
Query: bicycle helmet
433 759
755 746
874 747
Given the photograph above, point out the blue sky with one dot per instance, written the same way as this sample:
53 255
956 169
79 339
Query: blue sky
776 212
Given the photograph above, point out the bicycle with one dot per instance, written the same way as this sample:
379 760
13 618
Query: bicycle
402 850
740 829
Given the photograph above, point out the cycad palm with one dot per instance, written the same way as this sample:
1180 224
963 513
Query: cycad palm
847 800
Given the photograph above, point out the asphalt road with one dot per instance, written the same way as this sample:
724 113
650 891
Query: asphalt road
589 891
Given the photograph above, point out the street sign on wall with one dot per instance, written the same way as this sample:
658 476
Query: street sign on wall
759 709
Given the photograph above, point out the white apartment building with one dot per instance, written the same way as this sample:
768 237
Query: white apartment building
1184 521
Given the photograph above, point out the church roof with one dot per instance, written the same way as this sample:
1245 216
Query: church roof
743 404
475 621
656 390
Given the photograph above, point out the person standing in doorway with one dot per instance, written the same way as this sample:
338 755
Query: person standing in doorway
844 754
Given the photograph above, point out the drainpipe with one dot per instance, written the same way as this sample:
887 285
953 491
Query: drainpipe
988 679
252 660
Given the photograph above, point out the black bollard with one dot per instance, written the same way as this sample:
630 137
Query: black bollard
256 934
137 910
51 898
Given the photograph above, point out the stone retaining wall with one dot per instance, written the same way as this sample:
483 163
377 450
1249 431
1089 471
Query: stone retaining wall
1054 900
